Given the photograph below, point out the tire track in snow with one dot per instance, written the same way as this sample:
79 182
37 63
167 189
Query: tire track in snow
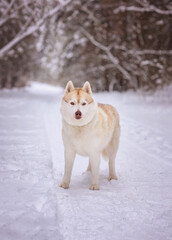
27 189
65 208
148 139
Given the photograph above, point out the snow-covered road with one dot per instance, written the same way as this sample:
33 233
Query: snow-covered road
32 206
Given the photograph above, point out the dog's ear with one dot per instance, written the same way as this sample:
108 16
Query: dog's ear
87 87
69 87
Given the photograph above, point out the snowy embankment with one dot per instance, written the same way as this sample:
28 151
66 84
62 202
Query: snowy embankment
32 206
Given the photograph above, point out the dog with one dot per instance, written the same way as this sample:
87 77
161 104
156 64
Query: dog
89 129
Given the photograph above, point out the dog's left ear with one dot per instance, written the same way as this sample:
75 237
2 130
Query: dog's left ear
87 87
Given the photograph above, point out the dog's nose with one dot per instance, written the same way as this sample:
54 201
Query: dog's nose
78 114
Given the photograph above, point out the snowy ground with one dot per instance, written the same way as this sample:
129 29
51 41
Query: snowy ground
32 206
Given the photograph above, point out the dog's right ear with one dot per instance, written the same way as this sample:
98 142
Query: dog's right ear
69 87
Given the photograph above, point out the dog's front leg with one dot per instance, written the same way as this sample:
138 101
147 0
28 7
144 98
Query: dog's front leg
69 160
95 163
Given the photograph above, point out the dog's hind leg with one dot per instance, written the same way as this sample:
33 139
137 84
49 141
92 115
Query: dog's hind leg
112 151
89 167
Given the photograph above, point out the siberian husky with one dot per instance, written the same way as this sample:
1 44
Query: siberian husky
89 129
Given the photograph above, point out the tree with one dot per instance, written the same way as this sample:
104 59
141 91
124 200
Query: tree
117 45
20 23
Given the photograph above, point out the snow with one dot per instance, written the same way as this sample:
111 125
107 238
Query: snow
32 206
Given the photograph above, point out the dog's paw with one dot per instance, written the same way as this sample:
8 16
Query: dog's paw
83 173
94 187
86 172
64 185
114 177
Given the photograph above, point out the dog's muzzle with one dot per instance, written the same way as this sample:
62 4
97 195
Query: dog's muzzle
78 115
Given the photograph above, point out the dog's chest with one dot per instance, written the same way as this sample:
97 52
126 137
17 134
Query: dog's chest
82 139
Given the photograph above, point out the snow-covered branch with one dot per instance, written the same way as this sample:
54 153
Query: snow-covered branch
31 29
107 51
11 13
90 14
4 20
49 40
148 9
153 52
142 51
8 7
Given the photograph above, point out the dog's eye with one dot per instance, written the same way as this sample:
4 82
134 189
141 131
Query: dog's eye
72 103
83 104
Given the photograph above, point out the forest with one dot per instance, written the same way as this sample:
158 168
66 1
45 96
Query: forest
115 45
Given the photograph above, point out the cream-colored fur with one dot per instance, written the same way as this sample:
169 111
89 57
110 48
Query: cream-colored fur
96 132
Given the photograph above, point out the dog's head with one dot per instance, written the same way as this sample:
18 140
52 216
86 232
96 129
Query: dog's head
78 106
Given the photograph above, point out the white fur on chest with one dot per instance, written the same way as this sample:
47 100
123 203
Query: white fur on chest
86 139
80 138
